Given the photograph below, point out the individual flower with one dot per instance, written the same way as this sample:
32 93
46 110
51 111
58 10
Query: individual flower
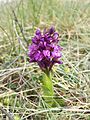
45 49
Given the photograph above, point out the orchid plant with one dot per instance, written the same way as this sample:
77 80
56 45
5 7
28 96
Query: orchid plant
45 50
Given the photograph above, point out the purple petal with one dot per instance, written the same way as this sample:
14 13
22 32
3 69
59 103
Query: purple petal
42 39
52 30
59 62
38 56
56 54
38 32
32 60
45 44
46 53
49 39
35 40
33 47
55 36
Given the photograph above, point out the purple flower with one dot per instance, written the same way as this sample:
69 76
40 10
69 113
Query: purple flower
46 53
45 49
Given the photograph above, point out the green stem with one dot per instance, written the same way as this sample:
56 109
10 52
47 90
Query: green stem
47 88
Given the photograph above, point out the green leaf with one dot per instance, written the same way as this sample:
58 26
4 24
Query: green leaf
47 88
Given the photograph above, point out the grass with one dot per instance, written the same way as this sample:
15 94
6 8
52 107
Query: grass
20 80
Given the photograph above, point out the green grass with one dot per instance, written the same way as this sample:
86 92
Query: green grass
20 80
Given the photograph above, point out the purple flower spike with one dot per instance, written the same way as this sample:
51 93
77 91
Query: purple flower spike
45 49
